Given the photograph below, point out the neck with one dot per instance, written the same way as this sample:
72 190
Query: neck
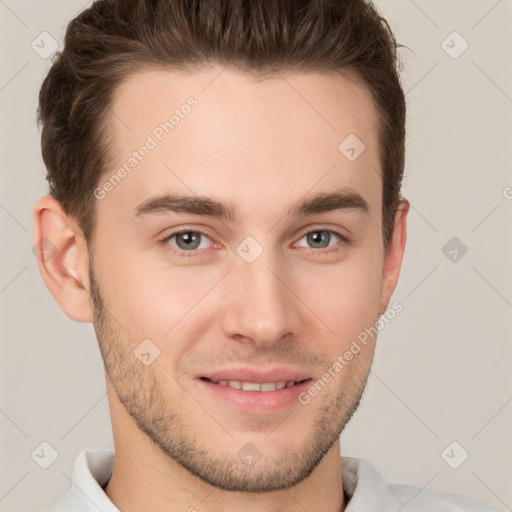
146 479
154 483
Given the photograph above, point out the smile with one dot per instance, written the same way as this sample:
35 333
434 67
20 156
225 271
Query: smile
256 386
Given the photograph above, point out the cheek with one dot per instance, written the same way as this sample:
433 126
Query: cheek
345 297
153 300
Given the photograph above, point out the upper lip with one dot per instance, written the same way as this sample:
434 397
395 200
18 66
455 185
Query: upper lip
247 374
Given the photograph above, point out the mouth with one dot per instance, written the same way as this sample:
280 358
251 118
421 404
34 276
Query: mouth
257 395
256 386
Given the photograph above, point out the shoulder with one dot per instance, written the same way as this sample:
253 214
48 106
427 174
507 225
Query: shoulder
91 471
368 491
423 500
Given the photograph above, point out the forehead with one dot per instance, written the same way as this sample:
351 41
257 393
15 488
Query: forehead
224 133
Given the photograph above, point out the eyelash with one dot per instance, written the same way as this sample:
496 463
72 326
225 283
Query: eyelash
195 252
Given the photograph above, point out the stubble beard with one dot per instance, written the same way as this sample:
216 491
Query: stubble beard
154 415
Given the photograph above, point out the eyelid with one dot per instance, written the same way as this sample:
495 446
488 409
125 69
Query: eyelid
330 231
335 231
164 242
196 252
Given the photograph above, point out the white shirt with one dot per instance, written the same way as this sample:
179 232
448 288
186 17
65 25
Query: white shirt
365 487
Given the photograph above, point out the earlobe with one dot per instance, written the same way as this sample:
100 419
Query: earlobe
62 258
394 254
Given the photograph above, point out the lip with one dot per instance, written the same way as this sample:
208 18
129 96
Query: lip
255 401
247 374
259 402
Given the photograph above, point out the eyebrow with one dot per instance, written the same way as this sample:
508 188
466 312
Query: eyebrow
344 199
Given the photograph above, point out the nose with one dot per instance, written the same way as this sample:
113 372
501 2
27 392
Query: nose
261 307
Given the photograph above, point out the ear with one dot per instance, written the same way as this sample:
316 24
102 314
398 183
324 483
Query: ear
394 254
63 258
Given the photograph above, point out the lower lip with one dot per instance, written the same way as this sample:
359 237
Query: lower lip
257 401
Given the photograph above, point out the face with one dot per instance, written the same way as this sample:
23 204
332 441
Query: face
205 308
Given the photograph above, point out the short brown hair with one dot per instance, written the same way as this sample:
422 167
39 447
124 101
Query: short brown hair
113 38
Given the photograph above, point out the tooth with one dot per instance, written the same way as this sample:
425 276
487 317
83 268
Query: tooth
255 386
214 381
251 386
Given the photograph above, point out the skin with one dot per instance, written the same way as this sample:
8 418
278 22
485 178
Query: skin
262 147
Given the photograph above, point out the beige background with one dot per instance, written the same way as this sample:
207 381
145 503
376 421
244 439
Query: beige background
442 367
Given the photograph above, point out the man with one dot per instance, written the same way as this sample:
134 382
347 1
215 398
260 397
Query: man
225 209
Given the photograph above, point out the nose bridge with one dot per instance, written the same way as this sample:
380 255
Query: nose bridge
262 308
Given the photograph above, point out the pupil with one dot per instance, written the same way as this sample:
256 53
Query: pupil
319 238
188 240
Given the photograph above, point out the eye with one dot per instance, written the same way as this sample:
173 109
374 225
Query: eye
320 238
187 240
